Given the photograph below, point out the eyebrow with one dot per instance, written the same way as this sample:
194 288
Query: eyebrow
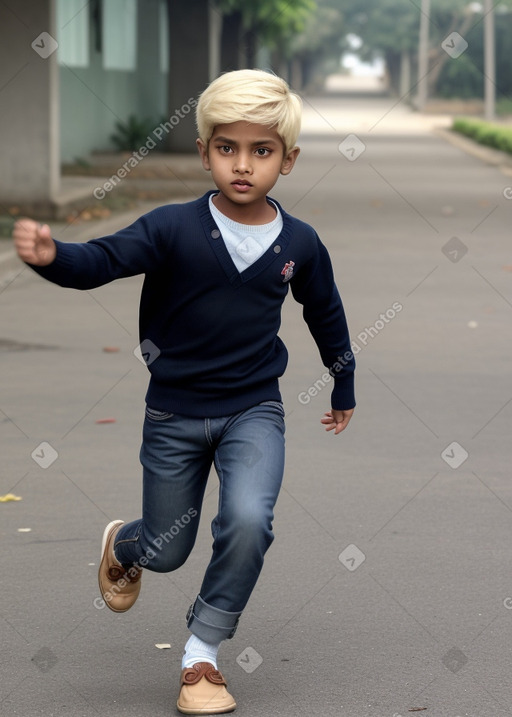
227 140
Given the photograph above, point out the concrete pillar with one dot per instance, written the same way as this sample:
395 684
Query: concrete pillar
192 46
29 105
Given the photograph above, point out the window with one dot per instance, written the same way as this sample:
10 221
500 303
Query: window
73 32
120 35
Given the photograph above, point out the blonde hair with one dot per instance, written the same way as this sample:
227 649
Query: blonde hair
254 96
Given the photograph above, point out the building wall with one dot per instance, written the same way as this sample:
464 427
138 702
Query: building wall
29 106
94 98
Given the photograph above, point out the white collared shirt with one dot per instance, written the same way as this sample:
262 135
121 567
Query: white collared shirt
246 242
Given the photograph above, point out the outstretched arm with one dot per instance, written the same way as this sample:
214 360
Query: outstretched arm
136 249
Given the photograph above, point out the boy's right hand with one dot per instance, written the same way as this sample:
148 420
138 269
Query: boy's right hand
34 243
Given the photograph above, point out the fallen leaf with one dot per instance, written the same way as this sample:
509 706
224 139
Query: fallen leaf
8 497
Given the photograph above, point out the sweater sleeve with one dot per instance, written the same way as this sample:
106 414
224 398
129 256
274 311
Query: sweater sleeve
314 287
130 251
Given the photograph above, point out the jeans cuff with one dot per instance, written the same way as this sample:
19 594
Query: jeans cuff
211 624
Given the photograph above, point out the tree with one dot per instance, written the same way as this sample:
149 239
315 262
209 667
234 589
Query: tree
390 28
320 44
269 23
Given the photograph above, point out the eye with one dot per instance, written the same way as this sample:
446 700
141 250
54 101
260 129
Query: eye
225 149
262 152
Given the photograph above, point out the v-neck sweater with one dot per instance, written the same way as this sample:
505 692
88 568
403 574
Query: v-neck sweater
209 333
246 242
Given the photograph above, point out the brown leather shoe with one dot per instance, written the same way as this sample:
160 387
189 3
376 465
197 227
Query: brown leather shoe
119 587
203 691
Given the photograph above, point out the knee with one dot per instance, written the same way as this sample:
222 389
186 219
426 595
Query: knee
252 526
167 564
164 557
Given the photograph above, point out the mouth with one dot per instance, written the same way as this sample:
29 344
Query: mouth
241 185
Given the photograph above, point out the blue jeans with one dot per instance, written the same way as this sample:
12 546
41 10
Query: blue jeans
177 453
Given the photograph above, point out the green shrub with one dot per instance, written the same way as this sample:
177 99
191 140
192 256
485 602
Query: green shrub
505 140
132 134
486 134
491 135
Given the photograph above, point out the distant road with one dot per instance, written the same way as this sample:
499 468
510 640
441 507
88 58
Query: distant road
360 105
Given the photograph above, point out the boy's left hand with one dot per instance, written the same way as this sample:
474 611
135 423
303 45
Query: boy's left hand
337 420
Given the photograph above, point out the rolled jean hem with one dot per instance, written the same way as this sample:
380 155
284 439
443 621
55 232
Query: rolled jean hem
211 624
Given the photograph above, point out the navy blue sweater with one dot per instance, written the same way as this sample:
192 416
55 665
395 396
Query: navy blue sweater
215 328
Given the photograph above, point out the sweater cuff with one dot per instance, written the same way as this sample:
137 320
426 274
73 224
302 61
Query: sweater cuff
343 396
59 267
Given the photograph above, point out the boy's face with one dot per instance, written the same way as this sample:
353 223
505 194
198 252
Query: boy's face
245 161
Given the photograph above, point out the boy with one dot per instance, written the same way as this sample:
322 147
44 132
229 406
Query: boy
217 271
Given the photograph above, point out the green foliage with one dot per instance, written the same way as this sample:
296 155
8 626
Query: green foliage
273 21
393 25
384 25
464 77
323 34
314 32
487 133
131 134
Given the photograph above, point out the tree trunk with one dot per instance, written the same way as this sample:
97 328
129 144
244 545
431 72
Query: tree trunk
393 72
438 57
307 70
230 42
279 63
250 46
189 69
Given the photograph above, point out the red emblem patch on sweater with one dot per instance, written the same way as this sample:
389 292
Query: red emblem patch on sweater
287 270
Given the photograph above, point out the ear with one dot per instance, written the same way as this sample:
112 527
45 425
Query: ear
203 153
289 160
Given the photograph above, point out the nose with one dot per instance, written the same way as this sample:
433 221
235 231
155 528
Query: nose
242 164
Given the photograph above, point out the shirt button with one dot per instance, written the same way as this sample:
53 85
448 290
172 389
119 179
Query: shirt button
215 234
277 249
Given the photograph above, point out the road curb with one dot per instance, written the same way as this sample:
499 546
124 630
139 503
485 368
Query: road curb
495 157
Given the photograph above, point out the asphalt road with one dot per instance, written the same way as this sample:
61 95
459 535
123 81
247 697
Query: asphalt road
388 588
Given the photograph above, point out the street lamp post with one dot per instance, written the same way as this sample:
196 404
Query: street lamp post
423 55
489 61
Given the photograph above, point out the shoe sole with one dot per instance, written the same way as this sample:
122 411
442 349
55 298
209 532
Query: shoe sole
205 711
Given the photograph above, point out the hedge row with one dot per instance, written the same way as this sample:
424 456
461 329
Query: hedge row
492 135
